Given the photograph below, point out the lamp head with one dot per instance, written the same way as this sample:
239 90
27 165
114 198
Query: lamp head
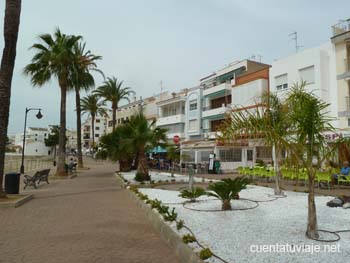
39 115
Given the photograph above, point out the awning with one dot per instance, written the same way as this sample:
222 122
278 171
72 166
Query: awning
157 149
215 117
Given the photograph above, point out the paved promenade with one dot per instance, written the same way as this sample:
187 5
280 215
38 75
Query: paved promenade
86 219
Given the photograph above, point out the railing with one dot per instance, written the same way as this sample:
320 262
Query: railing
347 103
29 164
216 107
342 27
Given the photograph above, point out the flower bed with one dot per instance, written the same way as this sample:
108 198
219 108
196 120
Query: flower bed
161 177
235 235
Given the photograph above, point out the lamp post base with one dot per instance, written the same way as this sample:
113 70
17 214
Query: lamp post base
22 169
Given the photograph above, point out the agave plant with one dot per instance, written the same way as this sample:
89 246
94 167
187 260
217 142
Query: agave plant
227 189
192 194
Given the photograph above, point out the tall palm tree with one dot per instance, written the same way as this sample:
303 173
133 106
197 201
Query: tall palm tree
11 26
305 122
82 79
92 106
141 136
113 91
264 123
54 58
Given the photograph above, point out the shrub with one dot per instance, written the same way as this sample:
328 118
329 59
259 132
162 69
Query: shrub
227 189
260 162
141 177
155 203
170 216
134 189
205 253
188 238
143 197
180 224
163 209
192 194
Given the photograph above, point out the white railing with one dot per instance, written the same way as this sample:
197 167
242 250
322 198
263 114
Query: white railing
342 27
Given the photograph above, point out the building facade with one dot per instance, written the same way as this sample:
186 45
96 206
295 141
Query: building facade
35 141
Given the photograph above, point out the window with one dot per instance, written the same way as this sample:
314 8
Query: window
349 122
110 123
231 155
193 125
307 74
97 120
97 128
281 81
97 135
249 155
204 155
263 152
193 104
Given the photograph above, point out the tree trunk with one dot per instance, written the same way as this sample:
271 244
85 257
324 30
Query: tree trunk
142 168
277 158
11 26
312 230
226 205
78 109
114 115
93 131
61 164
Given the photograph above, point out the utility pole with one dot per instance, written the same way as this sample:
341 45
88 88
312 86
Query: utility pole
294 36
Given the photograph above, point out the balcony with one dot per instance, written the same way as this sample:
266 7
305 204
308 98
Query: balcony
218 90
340 28
346 111
345 73
180 118
208 111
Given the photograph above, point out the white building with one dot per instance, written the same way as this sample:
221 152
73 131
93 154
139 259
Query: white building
35 141
100 127
316 66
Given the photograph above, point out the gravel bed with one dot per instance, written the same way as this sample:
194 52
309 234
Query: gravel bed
236 235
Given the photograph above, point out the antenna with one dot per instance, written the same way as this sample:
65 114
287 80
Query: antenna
294 36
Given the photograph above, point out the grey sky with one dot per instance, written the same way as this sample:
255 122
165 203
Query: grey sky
145 41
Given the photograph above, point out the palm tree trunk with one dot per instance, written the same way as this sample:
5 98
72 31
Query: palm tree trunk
11 26
61 164
312 230
78 109
142 168
277 158
226 205
114 115
93 131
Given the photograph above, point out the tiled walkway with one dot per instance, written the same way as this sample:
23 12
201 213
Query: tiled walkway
86 219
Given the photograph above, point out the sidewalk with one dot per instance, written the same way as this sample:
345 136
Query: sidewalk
86 219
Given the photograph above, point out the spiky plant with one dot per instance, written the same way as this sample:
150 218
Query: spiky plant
227 189
192 194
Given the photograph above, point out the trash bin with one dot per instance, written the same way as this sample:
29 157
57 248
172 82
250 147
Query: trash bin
12 181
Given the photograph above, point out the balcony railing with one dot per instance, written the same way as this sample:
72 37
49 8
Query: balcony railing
342 27
216 107
347 103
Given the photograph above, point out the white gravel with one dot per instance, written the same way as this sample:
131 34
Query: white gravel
163 176
233 234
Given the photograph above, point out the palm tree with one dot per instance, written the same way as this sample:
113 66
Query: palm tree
305 122
112 91
54 58
11 26
91 105
141 136
269 123
309 122
82 80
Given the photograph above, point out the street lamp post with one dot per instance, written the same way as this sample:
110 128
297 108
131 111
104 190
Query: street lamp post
39 116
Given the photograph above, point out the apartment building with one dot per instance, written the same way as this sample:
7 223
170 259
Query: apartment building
100 127
35 141
341 40
172 114
236 87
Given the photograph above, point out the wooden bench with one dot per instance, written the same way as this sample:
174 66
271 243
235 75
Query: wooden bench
37 178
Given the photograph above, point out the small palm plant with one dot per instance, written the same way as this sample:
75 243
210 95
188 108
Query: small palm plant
228 189
192 194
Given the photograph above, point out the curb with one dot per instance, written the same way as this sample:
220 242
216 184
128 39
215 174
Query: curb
18 202
185 253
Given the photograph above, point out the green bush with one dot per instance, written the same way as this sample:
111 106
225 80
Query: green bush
205 253
180 224
170 216
260 162
227 189
192 194
141 177
188 238
155 203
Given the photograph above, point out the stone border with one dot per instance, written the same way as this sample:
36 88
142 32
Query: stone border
18 202
186 253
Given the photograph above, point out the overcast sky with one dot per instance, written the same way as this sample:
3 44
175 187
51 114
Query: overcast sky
177 41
